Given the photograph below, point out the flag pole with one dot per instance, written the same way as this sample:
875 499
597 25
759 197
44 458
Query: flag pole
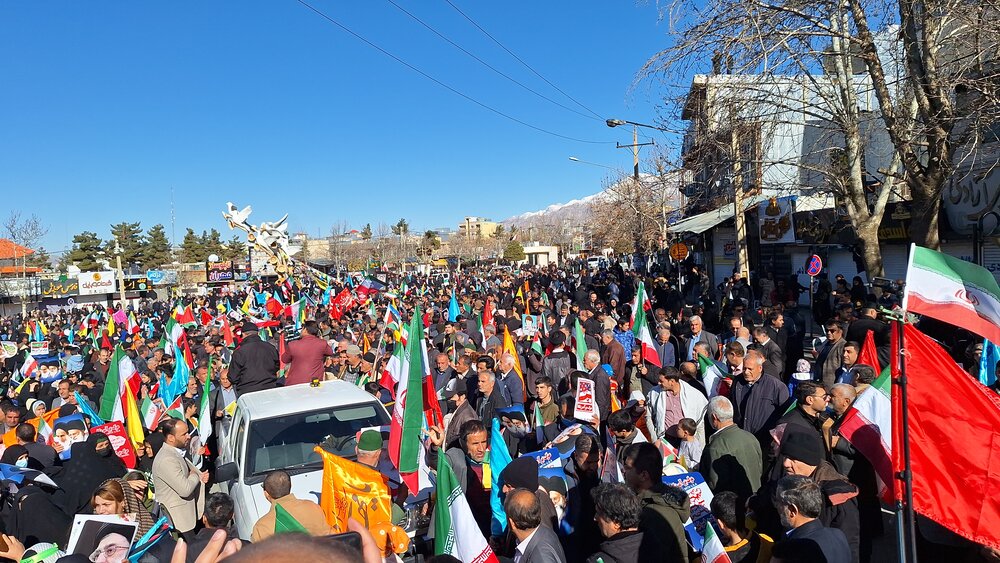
907 540
907 525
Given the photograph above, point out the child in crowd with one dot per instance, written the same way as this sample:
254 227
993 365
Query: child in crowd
690 448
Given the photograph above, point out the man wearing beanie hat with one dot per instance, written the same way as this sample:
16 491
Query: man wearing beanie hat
522 473
255 363
369 448
803 454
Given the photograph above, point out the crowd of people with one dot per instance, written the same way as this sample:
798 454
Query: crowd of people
727 392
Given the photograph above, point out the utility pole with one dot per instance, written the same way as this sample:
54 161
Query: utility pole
121 273
637 232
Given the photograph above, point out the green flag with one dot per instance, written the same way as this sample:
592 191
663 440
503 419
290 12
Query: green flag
285 522
581 344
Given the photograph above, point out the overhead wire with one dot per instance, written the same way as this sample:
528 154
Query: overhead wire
520 60
443 84
488 65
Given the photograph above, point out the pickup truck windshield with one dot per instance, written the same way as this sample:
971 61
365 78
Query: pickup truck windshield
287 442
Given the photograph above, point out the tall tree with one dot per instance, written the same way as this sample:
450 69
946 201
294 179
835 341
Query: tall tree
87 250
26 232
432 240
212 241
130 239
40 259
235 250
157 251
366 233
514 252
193 248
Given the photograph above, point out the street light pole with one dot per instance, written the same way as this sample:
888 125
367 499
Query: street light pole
637 234
121 273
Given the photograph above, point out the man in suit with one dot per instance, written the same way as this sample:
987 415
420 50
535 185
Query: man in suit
831 355
278 491
776 329
535 543
774 358
732 459
602 383
800 501
180 487
698 334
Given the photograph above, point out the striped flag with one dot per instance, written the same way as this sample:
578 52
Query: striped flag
713 551
407 417
867 425
640 327
455 529
953 291
204 412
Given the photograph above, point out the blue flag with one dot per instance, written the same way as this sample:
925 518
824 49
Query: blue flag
178 384
499 457
86 409
453 310
988 363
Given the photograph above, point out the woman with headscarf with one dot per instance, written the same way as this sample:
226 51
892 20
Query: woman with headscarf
115 496
27 509
90 464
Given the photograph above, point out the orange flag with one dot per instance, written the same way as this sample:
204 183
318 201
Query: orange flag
352 490
510 348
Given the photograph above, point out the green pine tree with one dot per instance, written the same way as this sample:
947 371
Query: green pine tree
514 252
157 251
40 259
131 240
193 248
87 250
236 250
212 241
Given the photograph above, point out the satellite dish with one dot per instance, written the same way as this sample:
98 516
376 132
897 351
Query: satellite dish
213 257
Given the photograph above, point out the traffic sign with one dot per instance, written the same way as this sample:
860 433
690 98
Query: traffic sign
815 266
679 251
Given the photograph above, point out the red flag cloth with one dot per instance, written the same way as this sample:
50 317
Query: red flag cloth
869 354
432 408
273 307
951 486
206 318
227 333
341 304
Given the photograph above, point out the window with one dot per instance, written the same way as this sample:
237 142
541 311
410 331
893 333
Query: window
287 442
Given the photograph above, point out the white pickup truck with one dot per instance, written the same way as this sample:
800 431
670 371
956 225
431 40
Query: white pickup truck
278 429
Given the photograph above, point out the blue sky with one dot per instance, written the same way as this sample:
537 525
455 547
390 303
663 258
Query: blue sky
107 106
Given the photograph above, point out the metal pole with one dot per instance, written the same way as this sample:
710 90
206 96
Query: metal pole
909 540
121 278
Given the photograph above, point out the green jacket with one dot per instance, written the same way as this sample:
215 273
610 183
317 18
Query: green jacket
732 461
664 511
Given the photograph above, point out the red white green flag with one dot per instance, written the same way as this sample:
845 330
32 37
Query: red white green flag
405 448
640 327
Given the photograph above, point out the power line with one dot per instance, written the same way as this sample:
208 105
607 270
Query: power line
520 60
488 65
442 84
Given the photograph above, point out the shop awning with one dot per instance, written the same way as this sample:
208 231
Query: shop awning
704 221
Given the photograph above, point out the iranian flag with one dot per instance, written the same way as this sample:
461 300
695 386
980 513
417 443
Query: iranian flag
29 367
455 529
407 416
185 316
640 328
118 401
867 425
953 291
391 369
712 551
133 325
151 412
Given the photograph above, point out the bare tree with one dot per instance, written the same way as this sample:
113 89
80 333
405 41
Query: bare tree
25 232
830 64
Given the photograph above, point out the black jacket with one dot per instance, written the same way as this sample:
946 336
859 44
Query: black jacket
813 541
622 547
255 366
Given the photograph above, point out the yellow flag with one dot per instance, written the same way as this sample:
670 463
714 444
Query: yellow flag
352 490
133 421
111 326
509 348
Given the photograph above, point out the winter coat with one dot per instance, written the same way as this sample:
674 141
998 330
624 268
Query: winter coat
622 547
255 366
664 511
